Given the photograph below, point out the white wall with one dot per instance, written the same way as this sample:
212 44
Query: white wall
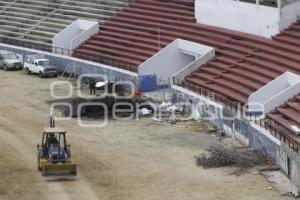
203 59
239 16
274 93
247 17
282 154
167 61
75 34
177 56
289 14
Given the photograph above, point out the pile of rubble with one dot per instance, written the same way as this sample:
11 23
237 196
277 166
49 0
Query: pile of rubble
220 156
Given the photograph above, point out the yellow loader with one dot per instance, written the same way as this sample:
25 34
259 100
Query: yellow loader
54 154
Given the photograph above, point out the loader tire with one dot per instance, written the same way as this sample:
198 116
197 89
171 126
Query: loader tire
27 71
38 165
39 155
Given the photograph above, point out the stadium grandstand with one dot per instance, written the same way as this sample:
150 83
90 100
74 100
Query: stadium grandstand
36 22
243 64
133 31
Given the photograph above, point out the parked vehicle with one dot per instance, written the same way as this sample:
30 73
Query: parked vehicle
10 60
54 154
41 66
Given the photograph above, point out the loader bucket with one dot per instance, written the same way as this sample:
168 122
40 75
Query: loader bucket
61 169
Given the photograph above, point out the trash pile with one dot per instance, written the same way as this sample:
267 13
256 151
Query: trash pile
220 156
170 113
144 112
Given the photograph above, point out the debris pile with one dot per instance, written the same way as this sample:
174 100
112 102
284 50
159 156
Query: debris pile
172 114
144 112
219 156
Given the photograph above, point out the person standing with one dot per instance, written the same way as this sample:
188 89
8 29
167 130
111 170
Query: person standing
92 86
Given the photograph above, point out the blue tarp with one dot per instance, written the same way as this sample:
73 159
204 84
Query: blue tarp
148 83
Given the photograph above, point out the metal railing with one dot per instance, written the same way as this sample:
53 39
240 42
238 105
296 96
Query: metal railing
237 108
229 104
290 141
73 53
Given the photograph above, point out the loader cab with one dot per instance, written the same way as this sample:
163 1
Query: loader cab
54 154
55 136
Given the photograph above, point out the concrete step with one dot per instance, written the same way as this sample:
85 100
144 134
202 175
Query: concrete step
33 44
32 22
25 36
34 19
27 31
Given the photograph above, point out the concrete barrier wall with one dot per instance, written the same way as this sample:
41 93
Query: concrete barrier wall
180 57
203 59
274 93
236 128
78 66
262 140
284 153
165 63
89 29
251 134
75 34
202 107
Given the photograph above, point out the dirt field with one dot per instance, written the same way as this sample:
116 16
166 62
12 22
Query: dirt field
125 160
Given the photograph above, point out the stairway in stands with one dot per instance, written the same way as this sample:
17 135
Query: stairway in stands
281 120
37 21
290 35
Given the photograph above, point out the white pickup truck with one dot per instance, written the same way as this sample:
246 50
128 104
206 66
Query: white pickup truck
40 66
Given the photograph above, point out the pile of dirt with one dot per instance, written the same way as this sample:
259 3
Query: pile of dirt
220 156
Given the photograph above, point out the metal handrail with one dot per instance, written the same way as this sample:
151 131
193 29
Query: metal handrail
63 51
234 107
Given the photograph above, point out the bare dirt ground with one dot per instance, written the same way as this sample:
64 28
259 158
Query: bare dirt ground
125 160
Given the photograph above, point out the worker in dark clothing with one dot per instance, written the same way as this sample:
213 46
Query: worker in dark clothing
52 122
52 139
92 86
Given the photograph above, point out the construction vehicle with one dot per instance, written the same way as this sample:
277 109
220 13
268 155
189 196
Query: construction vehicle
54 155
